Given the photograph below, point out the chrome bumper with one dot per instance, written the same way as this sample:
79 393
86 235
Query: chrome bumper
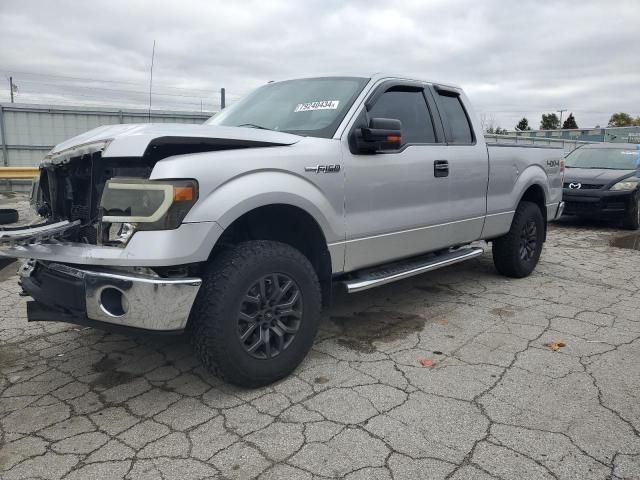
126 299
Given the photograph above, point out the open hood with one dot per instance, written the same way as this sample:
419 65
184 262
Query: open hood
135 140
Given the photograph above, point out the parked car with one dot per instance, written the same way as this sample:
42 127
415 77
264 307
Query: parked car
602 182
238 229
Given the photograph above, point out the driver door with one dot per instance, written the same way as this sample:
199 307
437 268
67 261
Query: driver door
397 202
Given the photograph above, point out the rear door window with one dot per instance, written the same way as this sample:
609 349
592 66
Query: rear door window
458 126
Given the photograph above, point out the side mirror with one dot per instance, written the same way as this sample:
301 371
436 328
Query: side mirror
381 134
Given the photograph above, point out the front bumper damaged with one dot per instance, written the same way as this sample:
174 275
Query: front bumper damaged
190 243
40 233
108 299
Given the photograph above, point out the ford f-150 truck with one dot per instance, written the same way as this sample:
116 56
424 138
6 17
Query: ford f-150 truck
237 230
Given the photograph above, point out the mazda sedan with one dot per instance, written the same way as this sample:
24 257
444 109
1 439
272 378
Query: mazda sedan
602 181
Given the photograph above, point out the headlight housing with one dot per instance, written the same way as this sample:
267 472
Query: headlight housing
129 205
625 185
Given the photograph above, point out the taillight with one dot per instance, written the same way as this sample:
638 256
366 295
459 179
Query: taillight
562 169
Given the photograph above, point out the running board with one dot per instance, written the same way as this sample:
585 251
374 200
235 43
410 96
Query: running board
408 268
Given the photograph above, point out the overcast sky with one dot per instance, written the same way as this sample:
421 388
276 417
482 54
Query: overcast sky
513 58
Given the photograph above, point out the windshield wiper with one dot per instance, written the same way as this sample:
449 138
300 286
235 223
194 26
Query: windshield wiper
253 125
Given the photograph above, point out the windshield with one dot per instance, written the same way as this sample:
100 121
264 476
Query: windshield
611 158
310 106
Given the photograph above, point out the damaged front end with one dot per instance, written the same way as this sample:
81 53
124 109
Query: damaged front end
113 248
67 194
72 184
79 269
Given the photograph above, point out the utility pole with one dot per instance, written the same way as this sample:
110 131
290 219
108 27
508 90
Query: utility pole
153 54
560 111
222 98
11 87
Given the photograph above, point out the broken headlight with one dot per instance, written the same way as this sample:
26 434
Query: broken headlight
130 205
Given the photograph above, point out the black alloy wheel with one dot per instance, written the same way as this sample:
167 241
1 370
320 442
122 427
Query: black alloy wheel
516 253
257 312
528 240
270 316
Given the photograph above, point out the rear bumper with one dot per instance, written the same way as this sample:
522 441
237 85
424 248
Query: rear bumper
108 298
603 204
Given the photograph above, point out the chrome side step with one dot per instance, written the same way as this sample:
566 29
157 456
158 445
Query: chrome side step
397 271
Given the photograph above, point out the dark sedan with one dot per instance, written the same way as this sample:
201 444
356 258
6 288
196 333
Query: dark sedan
602 181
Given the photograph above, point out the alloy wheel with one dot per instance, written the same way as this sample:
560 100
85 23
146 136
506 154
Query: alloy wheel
270 316
528 240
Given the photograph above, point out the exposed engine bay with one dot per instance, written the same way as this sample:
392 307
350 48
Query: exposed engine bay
72 191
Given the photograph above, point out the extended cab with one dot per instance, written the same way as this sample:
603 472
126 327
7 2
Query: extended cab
239 228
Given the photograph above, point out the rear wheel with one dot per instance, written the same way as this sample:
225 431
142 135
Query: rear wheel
516 254
257 313
632 220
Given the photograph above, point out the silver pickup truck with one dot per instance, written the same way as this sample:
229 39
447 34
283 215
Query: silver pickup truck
237 230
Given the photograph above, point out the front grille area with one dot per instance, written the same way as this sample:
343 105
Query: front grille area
590 208
585 186
72 190
580 208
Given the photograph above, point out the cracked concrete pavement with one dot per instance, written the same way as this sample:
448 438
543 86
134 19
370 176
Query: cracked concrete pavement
79 403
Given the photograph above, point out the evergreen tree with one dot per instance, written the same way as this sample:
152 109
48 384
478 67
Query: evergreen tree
550 121
570 122
523 125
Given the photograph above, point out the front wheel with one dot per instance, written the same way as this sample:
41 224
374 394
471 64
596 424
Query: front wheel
257 313
632 219
516 254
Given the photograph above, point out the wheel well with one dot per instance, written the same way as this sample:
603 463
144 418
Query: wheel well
535 194
286 224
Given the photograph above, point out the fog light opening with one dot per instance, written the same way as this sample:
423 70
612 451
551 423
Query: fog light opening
113 302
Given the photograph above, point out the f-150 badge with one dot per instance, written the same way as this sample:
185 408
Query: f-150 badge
323 169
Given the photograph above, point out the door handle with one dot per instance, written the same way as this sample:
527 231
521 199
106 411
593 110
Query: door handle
441 168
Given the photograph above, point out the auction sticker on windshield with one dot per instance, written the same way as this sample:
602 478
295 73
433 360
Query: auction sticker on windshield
321 105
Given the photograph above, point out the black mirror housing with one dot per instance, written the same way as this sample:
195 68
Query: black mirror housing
381 134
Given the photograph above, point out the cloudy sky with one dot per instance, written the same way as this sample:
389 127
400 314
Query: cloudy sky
514 59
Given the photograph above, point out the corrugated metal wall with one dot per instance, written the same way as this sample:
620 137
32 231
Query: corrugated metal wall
28 131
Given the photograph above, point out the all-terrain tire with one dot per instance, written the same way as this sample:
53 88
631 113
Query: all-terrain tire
219 316
632 219
516 254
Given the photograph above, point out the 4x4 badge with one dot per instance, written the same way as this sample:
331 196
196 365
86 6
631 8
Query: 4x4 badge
323 169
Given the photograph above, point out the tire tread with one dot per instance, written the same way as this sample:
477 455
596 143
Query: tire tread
505 249
217 286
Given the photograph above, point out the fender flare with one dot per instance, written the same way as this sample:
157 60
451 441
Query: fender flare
533 175
268 187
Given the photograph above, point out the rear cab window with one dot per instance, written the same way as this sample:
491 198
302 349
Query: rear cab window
455 118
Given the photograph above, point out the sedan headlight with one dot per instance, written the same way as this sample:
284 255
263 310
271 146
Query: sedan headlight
627 184
146 204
